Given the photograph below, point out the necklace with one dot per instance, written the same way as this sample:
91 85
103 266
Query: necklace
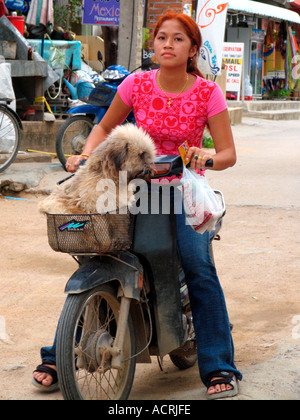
168 97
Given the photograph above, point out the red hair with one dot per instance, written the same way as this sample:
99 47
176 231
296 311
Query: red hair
193 32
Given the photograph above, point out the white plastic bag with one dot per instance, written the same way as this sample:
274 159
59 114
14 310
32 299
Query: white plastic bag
201 205
6 87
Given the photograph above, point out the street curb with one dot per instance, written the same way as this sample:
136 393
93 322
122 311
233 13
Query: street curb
24 157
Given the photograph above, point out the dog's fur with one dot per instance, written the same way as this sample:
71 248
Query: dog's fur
127 148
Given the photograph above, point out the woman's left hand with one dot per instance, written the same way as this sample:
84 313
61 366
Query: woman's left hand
198 158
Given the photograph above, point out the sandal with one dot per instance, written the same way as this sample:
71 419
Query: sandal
226 378
50 371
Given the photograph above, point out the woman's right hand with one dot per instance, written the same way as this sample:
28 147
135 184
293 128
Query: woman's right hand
73 162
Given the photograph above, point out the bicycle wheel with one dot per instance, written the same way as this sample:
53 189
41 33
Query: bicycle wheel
87 328
71 137
10 137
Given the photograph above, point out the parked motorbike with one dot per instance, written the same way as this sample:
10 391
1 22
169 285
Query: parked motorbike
73 133
128 300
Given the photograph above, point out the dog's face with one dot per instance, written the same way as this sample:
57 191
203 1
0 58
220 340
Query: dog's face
127 148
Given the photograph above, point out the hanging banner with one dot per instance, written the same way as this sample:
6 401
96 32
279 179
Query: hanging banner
101 12
211 19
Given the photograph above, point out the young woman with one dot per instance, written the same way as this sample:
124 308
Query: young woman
174 104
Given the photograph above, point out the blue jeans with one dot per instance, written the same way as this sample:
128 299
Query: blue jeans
214 341
211 323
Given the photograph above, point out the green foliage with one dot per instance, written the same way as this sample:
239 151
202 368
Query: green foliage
280 93
208 143
65 15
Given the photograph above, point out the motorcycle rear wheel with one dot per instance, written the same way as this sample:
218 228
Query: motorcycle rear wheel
87 327
71 137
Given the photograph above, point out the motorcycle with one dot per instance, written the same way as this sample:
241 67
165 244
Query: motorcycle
128 300
73 133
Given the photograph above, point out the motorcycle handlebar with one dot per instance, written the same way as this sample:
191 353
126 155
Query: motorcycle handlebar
170 165
209 163
167 165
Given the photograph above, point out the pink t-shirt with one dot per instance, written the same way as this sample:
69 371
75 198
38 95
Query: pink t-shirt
185 119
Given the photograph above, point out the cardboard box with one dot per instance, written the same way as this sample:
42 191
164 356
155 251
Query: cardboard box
90 45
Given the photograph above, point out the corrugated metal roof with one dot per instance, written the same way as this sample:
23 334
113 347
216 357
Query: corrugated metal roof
263 9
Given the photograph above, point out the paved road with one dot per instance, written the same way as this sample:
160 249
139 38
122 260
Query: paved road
257 259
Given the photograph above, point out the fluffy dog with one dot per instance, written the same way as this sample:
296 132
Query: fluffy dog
127 148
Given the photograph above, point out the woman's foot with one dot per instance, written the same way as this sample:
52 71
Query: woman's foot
45 377
218 388
222 386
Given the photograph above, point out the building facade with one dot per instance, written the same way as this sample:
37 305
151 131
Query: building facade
270 31
156 8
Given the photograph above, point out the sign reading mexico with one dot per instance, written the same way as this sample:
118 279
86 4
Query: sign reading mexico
101 12
233 55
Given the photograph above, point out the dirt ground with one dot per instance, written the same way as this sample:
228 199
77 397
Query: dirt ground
258 265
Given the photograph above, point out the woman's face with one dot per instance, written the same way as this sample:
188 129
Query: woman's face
172 46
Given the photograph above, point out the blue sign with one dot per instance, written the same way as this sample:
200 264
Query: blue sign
101 12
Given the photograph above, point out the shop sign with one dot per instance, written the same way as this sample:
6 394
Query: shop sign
101 12
233 56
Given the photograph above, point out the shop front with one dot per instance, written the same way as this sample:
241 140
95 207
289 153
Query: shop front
269 34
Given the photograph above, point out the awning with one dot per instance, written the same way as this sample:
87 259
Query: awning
295 5
263 9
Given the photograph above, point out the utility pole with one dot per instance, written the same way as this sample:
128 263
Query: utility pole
130 34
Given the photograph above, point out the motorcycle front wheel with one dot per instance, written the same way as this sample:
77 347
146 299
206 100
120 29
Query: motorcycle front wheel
86 331
71 137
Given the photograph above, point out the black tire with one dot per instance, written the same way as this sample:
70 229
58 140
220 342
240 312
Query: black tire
71 137
183 362
88 324
10 137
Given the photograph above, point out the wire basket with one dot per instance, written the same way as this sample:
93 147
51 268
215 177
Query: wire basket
89 233
100 95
